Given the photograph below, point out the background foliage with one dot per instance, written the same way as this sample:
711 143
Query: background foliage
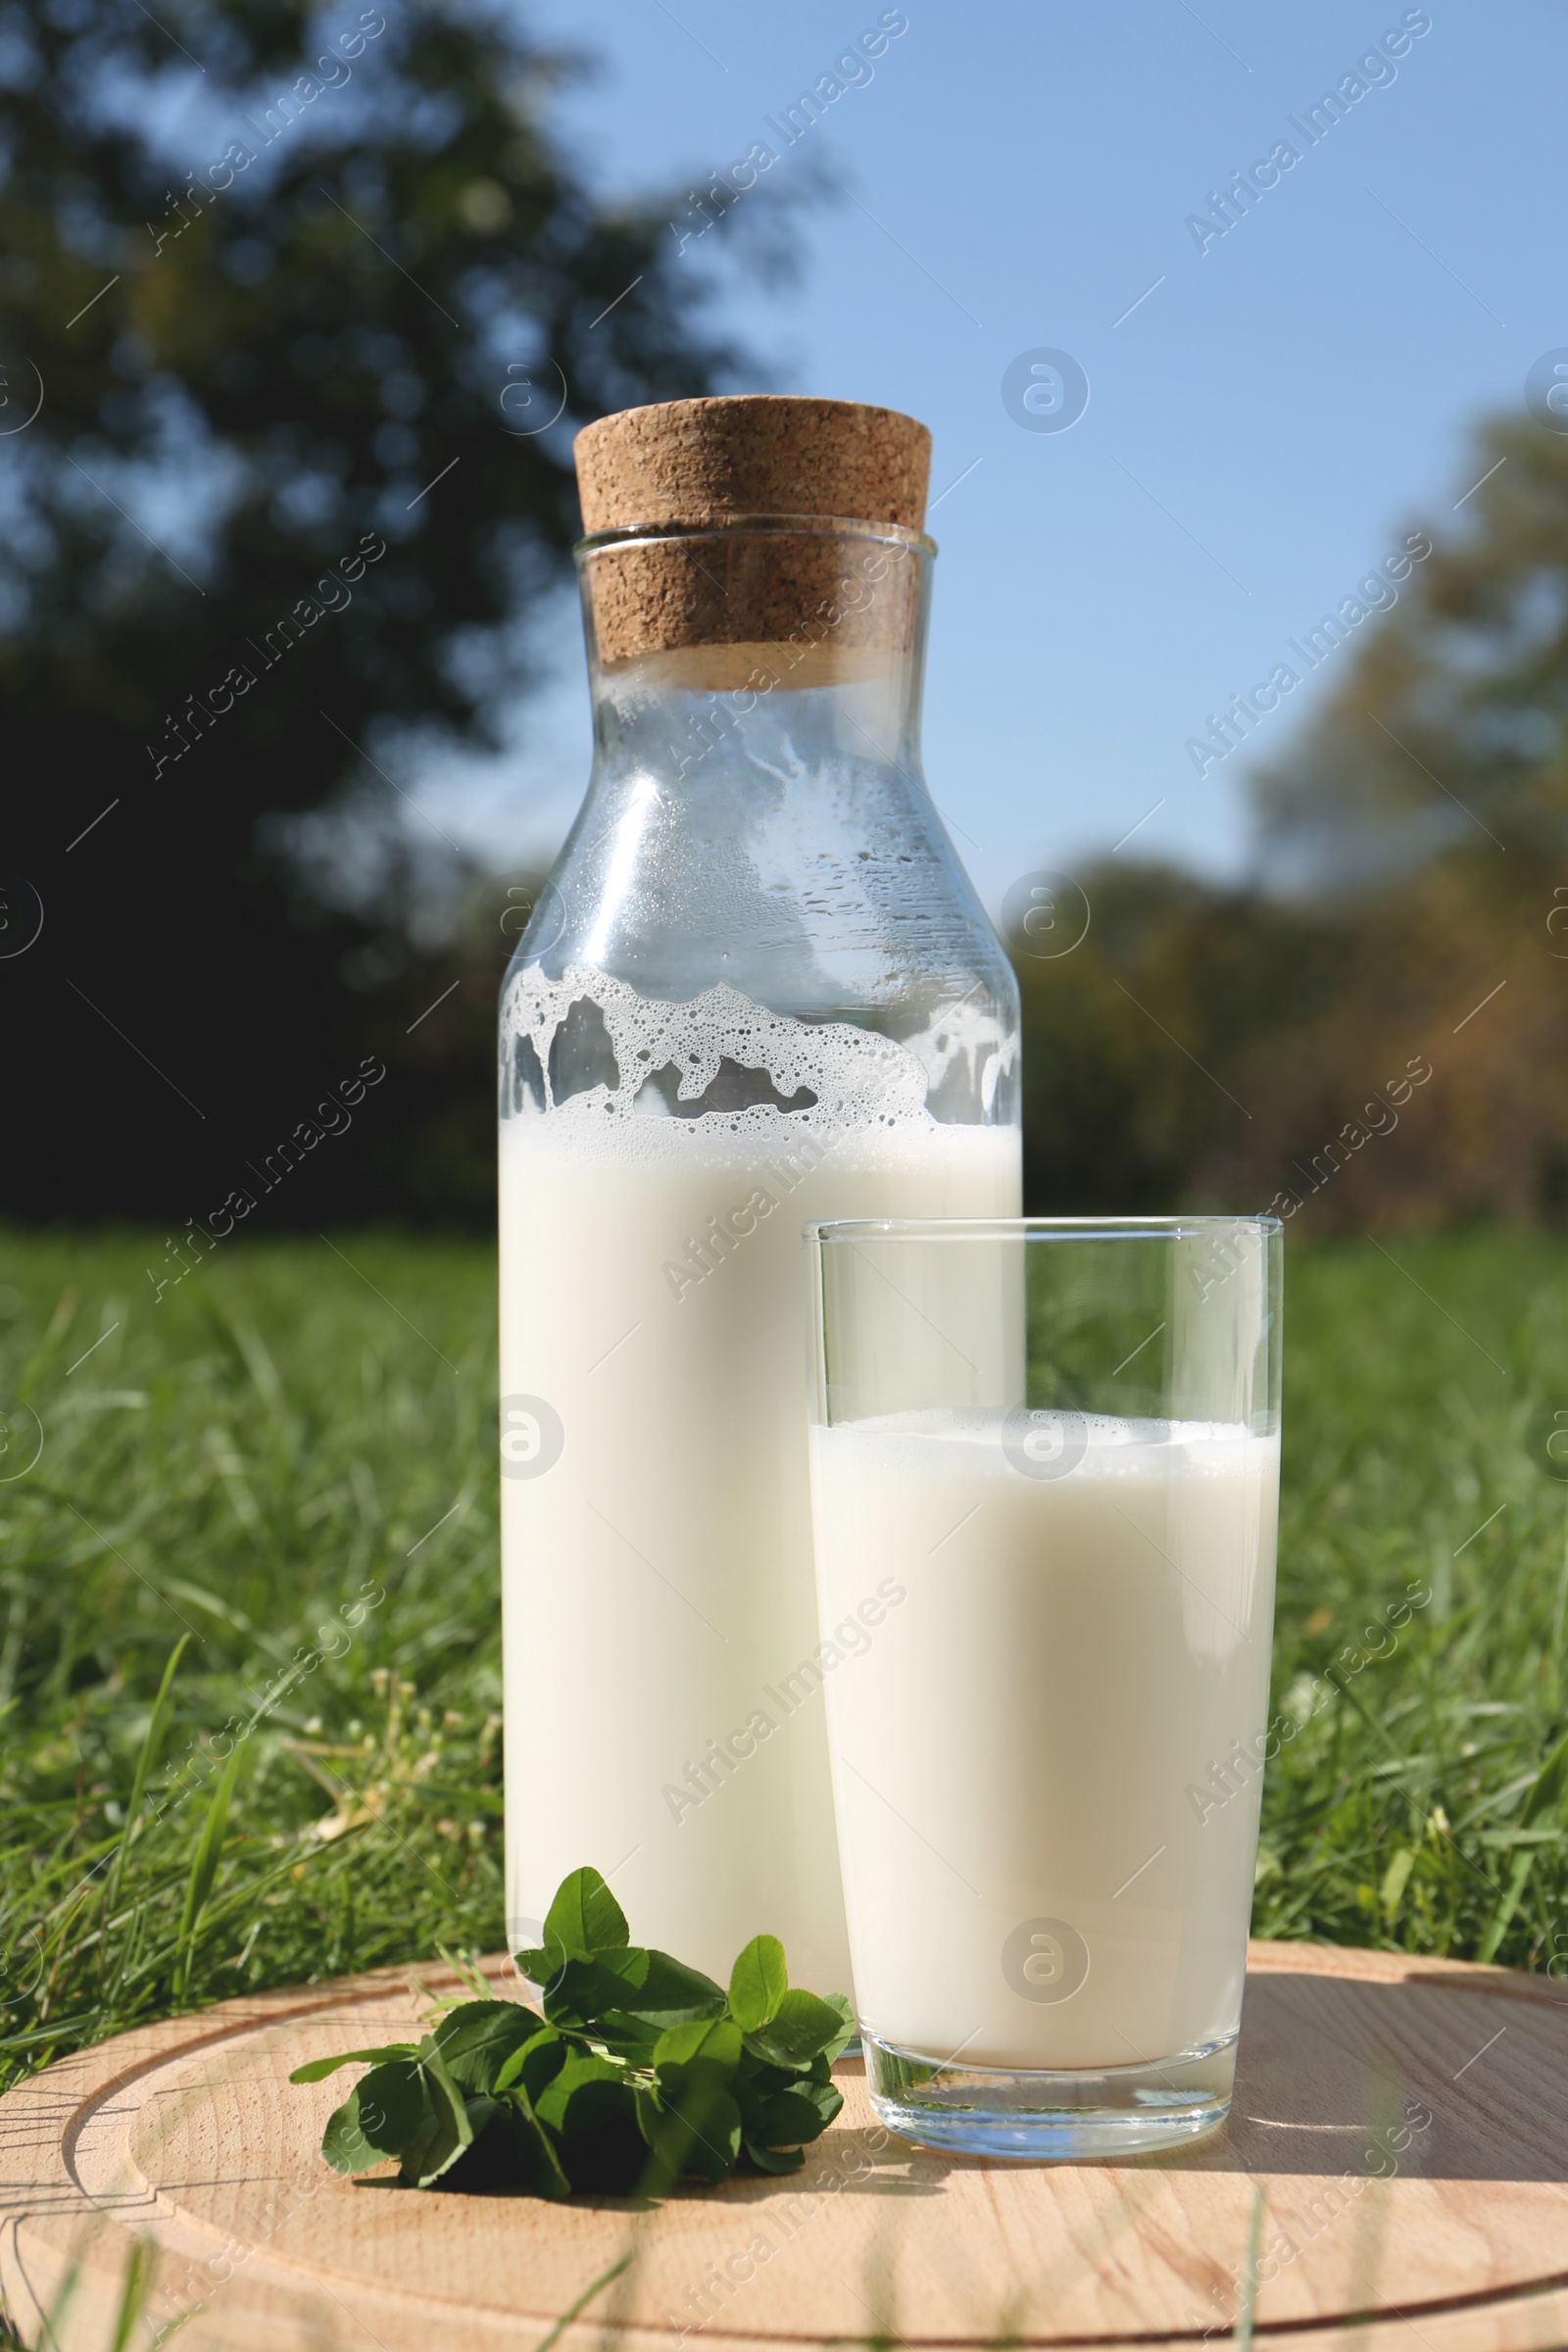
241 386
1208 1045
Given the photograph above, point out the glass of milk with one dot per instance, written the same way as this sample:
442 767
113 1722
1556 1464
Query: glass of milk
1044 1478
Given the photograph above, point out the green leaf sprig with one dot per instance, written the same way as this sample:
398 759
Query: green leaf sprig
640 2073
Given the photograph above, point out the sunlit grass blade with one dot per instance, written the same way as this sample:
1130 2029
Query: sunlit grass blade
553 2336
139 2271
1247 2302
1543 1798
146 1764
203 1871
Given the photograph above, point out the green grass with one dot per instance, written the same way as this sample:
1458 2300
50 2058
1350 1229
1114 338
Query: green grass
291 1457
1426 1395
245 1467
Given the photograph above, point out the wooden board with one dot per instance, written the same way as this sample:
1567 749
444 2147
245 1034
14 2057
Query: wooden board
1450 2082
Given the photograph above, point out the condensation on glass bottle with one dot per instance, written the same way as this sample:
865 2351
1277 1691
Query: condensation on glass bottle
758 989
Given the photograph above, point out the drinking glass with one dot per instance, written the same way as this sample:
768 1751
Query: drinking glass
1045 1474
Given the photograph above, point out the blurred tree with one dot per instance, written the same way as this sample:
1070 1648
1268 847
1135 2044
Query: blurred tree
278 474
1382 1058
1449 725
1378 1036
1135 1041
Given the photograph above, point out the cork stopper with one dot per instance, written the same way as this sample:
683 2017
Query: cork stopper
804 607
708 461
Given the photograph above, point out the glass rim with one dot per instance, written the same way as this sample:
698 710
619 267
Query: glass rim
821 526
1034 1229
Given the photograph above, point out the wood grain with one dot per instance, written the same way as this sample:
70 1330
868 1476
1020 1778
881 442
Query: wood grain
1406 2122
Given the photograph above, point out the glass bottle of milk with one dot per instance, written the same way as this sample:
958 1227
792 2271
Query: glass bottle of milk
756 991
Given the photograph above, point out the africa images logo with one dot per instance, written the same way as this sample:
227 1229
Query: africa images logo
1045 1960
533 1437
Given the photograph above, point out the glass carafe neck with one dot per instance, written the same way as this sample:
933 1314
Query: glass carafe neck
757 823
797 637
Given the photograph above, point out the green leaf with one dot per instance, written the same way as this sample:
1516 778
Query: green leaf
546 2174
668 1993
792 2117
565 2103
377 2118
757 1983
699 2131
585 1915
631 1997
511 2150
638 2074
541 1965
759 2080
591 2108
497 2166
584 1988
802 2026
444 2131
391 2100
709 2071
626 2038
718 2040
532 2064
317 2068
476 2039
691 2117
851 2026
344 2146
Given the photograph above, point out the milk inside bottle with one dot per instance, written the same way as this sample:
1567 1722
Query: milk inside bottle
756 991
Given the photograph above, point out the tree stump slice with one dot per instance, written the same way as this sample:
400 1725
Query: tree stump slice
1405 2121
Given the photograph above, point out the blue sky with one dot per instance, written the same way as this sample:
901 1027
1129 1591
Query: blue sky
1262 427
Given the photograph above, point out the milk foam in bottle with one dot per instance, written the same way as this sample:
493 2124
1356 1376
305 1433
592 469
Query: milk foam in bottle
758 990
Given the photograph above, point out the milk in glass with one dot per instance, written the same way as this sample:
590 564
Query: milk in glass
1057 1683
